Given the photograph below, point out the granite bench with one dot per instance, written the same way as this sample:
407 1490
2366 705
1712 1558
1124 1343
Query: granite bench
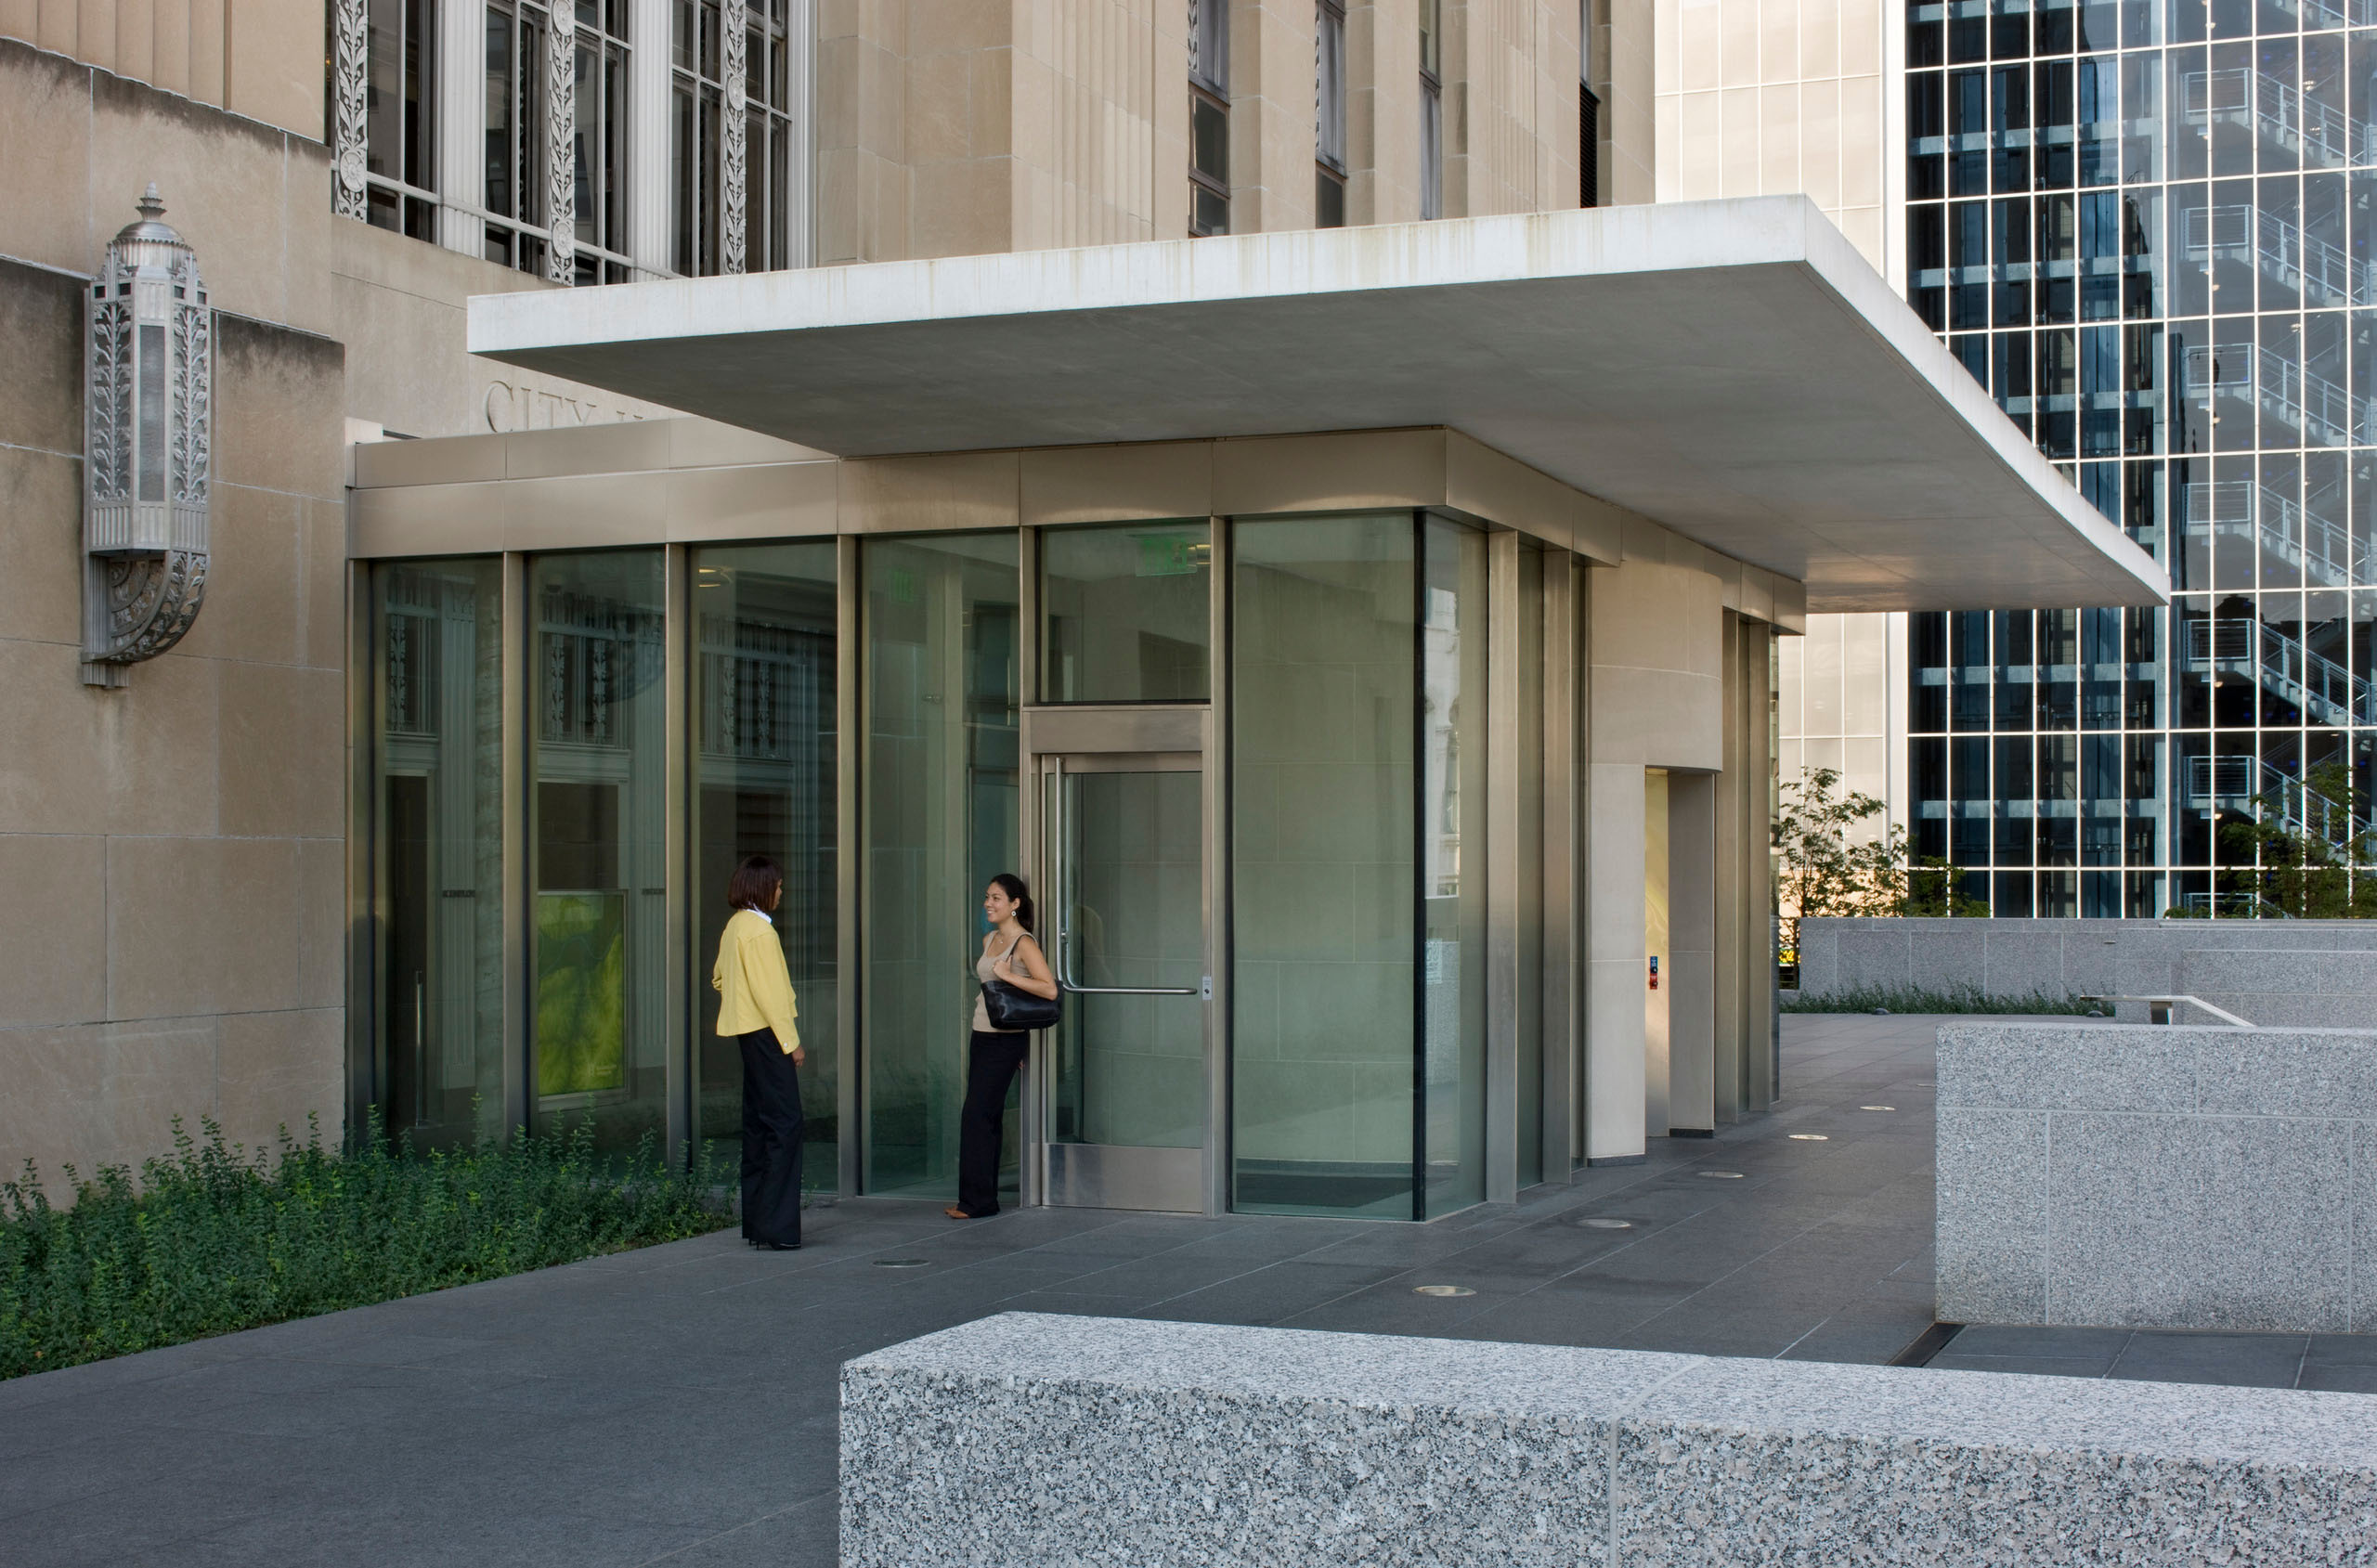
1048 1441
2171 1178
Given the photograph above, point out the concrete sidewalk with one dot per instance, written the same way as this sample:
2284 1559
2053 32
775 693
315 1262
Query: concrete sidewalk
678 1405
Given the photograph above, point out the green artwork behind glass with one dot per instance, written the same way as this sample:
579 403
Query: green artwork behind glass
581 992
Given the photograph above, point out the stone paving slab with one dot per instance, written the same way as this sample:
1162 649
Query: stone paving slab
677 1405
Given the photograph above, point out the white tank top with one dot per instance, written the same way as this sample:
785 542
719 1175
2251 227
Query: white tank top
982 973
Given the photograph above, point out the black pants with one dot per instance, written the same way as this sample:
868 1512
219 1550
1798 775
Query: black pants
991 1066
770 1141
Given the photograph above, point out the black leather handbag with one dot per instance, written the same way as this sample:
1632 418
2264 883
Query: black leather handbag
1012 1008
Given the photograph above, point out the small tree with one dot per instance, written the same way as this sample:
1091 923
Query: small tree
1829 861
2302 873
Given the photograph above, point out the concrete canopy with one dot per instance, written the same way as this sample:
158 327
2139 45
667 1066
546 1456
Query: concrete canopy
1732 369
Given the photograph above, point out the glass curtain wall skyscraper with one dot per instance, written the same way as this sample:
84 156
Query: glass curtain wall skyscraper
2146 227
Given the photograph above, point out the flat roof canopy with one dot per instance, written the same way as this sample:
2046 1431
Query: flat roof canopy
1732 369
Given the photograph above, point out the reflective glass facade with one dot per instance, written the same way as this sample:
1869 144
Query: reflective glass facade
1302 798
2146 227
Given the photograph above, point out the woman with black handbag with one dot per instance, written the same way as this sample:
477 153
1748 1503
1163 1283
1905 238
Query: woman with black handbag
1018 995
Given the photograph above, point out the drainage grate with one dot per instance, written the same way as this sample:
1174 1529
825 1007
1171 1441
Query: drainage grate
903 1262
1719 1175
1602 1222
1812 1137
1877 1107
1442 1291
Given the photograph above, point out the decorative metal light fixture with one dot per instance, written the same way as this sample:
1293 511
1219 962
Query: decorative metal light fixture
147 429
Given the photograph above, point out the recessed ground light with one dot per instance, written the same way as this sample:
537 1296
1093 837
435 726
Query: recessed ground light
1442 1291
1719 1175
1602 1222
1877 1107
903 1263
1814 1137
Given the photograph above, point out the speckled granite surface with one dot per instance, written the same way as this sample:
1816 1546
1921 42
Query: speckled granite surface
1026 1439
2155 1177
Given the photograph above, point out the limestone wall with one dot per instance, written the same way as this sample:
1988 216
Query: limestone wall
172 855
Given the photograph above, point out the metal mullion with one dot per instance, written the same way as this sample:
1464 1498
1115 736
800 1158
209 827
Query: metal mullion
1217 868
1033 1117
1561 955
679 1076
1504 798
366 849
1417 892
518 810
848 855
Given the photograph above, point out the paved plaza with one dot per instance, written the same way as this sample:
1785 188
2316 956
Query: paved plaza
678 1405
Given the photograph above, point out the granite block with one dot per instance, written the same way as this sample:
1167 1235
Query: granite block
1035 1440
1949 959
1819 960
2199 1221
1773 1463
1992 1252
2015 963
2287 1072
2067 1066
1863 959
2364 1227
1029 1440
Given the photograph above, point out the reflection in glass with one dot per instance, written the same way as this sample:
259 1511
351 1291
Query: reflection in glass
599 1030
1127 613
438 830
1131 1070
939 813
765 744
1452 867
1323 845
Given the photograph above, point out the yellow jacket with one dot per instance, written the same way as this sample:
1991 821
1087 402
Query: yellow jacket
754 988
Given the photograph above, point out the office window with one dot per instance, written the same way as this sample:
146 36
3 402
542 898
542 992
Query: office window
1208 117
515 164
401 83
1432 109
697 92
1329 115
598 142
774 234
1588 112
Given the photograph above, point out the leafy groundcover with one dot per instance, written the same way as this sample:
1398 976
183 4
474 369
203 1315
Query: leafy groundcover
215 1238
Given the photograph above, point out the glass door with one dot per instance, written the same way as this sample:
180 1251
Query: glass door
1129 1080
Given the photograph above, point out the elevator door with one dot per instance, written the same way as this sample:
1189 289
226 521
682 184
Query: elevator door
1128 1085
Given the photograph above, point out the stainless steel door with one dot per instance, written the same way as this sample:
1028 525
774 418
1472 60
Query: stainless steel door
1128 1083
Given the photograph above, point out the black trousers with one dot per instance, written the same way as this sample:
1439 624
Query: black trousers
770 1141
991 1066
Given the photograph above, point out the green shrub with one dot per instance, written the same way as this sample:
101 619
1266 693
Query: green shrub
1952 998
213 1237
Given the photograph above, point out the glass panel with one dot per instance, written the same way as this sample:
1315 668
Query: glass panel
599 1034
940 811
1131 1070
1323 845
765 744
1127 613
1452 844
439 845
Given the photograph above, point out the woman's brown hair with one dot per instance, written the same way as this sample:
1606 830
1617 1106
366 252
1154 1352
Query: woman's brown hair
754 885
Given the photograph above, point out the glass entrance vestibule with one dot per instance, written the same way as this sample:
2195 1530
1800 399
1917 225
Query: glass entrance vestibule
1303 797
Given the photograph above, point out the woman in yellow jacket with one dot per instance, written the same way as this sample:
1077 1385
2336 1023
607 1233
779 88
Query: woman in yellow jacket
755 1006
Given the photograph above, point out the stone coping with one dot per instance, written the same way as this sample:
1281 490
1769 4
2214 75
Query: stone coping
1027 1438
